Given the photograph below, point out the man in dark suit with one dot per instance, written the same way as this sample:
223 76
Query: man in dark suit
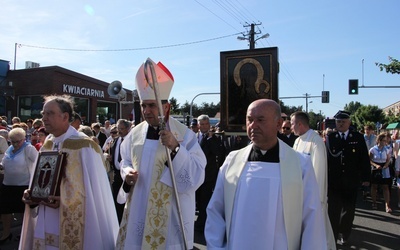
287 135
97 133
348 164
212 148
123 127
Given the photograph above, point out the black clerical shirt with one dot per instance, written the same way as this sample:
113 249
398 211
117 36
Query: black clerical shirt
152 133
272 155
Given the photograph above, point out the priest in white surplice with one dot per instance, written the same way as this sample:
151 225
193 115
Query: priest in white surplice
266 196
311 144
83 216
150 219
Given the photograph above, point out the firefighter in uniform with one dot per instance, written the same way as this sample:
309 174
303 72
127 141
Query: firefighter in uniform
348 165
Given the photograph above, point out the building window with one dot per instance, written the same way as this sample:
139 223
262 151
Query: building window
30 107
82 108
106 111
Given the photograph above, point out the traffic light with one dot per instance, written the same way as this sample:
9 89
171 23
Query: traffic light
325 96
188 120
353 87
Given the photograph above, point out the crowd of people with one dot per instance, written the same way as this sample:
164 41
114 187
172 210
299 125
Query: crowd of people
280 186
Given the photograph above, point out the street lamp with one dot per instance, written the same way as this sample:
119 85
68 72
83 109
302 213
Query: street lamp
251 39
191 104
262 37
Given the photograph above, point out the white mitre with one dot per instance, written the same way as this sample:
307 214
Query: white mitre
165 81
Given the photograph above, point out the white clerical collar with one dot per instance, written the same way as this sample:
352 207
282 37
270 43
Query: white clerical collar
57 141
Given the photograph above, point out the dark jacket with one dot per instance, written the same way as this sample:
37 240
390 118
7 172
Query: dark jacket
348 161
212 148
288 140
112 152
102 138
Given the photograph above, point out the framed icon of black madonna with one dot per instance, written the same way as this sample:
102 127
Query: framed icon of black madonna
246 75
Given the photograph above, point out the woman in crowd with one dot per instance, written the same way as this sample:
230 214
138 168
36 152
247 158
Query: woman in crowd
41 136
86 130
110 140
107 151
37 123
396 151
390 147
18 164
398 179
380 160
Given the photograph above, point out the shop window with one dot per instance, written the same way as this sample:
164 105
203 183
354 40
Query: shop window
30 107
106 111
82 108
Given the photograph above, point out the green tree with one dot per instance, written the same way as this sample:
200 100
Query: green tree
288 110
352 107
393 67
185 109
175 110
209 109
315 119
367 115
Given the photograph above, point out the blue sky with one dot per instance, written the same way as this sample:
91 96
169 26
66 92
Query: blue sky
322 44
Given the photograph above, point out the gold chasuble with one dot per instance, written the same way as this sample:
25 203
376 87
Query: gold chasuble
291 184
72 197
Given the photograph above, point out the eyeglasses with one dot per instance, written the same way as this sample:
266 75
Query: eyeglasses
113 132
286 128
16 142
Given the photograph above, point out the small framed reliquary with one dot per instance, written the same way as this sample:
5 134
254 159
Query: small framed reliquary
47 176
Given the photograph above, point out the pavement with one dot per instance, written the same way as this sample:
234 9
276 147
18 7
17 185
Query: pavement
372 229
16 231
375 229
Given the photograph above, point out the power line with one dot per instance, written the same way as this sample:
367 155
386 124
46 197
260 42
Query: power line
238 10
228 10
130 49
215 15
243 7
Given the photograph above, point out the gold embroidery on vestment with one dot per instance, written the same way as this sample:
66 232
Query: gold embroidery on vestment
72 193
51 239
38 244
158 206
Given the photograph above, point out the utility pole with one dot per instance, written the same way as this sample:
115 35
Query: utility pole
251 35
252 42
15 55
307 95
